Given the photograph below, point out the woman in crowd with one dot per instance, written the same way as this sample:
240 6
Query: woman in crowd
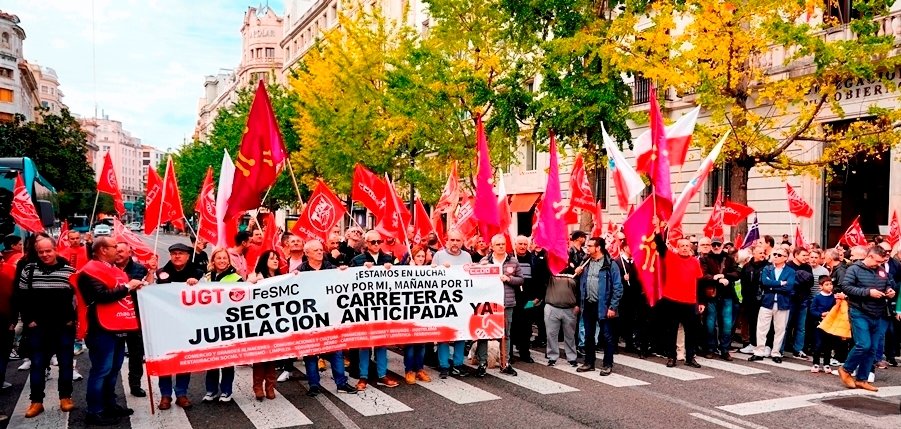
267 266
220 269
414 354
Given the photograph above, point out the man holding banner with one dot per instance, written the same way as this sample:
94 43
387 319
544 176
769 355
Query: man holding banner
511 276
453 254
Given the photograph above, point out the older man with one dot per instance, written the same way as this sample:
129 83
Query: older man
511 276
679 304
134 340
778 283
453 254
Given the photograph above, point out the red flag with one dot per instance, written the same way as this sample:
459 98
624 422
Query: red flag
678 139
370 190
854 235
261 153
486 200
172 200
640 232
598 217
796 205
450 196
551 230
270 233
714 227
392 223
141 250
423 224
660 166
438 224
465 220
63 242
22 210
894 230
108 184
733 213
153 201
800 243
207 228
581 195
322 212
674 234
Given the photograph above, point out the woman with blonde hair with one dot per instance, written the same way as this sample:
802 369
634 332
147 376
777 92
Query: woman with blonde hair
220 269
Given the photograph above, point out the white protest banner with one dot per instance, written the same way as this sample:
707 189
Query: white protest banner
213 325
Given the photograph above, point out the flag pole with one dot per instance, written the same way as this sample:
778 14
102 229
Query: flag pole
294 182
188 223
94 211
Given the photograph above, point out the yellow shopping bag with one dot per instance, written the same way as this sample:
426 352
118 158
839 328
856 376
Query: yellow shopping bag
837 321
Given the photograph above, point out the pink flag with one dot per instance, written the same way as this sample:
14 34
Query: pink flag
640 234
486 200
550 232
659 174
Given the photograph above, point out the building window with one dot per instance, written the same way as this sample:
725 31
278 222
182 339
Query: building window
840 12
4 41
6 95
6 117
259 52
531 160
45 104
6 73
600 185
270 52
720 178
641 87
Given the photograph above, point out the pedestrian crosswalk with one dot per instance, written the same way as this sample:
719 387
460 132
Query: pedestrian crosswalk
293 408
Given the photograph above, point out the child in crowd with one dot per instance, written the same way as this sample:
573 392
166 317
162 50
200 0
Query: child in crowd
825 343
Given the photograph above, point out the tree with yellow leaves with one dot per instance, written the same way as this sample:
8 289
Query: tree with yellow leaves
769 70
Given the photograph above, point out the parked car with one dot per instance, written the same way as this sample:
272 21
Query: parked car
135 226
102 230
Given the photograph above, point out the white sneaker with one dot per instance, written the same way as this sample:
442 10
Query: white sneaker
801 355
748 349
767 351
871 378
210 397
833 362
26 365
53 361
827 369
284 376
225 397
76 376
6 385
815 369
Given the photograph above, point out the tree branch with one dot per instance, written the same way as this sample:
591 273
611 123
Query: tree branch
794 136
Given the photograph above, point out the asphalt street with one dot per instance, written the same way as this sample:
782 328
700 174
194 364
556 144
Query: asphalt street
640 394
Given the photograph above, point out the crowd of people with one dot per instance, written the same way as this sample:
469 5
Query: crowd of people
768 297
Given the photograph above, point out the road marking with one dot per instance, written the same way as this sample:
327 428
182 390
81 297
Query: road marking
370 402
52 417
730 367
174 417
342 418
658 368
268 413
800 401
614 379
450 388
787 365
533 382
716 421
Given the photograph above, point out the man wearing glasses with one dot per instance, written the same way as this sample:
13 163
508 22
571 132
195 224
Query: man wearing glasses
511 276
777 282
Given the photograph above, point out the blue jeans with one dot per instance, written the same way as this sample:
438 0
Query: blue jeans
867 332
797 324
107 354
414 355
45 342
381 362
336 359
181 384
444 353
719 312
215 385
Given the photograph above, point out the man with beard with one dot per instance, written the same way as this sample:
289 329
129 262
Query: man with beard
718 283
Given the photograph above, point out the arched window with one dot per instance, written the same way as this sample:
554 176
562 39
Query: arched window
4 41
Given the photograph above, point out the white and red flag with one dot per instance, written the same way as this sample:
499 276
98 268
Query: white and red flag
694 185
678 140
322 212
628 183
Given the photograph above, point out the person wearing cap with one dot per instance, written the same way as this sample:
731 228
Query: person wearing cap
177 270
719 298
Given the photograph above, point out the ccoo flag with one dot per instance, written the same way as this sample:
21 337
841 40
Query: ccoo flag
22 210
108 184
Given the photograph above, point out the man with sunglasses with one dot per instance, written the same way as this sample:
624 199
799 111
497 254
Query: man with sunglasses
720 274
777 282
372 255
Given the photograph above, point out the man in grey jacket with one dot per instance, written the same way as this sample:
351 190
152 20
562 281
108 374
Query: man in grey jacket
511 276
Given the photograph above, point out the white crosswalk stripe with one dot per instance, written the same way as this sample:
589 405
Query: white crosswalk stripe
730 367
174 418
614 379
52 417
269 413
657 368
451 388
785 364
533 382
370 402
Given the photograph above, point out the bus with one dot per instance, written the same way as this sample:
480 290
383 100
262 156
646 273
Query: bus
43 194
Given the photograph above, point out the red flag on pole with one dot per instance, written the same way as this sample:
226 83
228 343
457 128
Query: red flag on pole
22 210
207 228
486 200
370 190
108 184
465 220
854 235
660 165
153 201
796 205
714 227
322 212
894 230
800 243
141 250
450 196
733 213
63 242
261 153
598 217
392 223
422 222
172 200
550 232
581 195
640 233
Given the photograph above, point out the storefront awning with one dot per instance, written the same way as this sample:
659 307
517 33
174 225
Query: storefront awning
523 202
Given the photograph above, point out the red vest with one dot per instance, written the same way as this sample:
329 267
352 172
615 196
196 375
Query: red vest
113 316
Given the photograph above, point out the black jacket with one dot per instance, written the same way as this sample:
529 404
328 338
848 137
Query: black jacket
175 276
750 281
326 265
363 258
858 281
713 264
804 274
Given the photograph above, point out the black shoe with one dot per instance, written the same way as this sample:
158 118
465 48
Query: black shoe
100 419
777 359
509 370
118 411
726 357
585 368
551 362
442 374
138 392
692 363
539 343
670 363
314 391
347 388
892 362
526 359
481 371
573 363
606 370
755 358
459 371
